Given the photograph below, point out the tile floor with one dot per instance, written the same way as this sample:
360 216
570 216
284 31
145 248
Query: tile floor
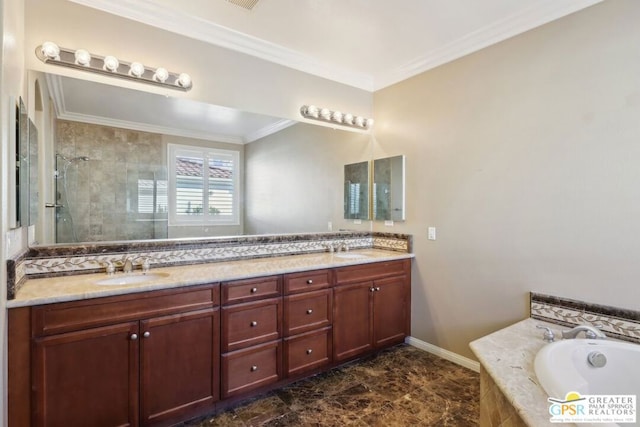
401 386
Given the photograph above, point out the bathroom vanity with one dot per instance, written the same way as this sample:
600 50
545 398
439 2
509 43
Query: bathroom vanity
161 356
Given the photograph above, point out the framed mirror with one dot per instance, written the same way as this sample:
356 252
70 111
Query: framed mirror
356 191
389 189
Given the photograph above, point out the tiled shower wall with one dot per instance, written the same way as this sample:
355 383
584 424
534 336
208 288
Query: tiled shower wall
100 201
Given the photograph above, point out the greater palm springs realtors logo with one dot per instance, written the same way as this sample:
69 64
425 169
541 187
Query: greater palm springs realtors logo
603 408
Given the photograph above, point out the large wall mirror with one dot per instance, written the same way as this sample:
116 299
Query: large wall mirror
389 189
110 167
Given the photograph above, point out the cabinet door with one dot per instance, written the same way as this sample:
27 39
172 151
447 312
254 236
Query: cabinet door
180 364
352 320
390 311
87 378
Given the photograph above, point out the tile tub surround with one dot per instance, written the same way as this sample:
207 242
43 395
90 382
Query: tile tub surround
77 287
507 356
50 261
617 323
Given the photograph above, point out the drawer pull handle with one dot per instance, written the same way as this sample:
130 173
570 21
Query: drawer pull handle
309 311
309 282
133 337
254 290
254 323
146 334
309 351
254 368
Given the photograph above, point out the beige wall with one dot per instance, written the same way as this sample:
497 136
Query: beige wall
526 158
294 179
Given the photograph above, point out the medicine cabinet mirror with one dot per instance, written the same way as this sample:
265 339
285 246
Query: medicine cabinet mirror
388 189
356 191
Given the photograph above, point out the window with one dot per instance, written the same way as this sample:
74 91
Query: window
203 186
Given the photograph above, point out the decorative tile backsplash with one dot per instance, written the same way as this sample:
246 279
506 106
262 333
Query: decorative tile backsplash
619 323
65 260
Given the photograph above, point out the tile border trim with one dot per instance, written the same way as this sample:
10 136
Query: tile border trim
52 261
623 324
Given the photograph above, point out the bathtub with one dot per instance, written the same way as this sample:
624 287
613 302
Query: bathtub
563 367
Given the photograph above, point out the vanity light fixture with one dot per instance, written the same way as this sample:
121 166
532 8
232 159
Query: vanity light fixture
81 59
337 117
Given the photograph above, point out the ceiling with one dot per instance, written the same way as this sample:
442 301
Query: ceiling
368 44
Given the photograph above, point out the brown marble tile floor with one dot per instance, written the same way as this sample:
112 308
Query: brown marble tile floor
401 386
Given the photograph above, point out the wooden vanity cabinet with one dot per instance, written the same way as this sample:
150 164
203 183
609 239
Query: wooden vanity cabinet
251 334
308 318
138 359
370 307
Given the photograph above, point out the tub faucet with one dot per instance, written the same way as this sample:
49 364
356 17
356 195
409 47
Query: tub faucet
590 332
127 267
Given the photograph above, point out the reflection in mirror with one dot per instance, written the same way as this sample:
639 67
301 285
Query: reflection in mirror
356 191
388 189
111 165
33 173
22 166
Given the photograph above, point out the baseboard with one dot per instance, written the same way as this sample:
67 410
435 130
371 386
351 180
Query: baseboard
445 354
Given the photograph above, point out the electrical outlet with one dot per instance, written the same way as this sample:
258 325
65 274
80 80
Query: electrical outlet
330 226
388 223
431 233
357 221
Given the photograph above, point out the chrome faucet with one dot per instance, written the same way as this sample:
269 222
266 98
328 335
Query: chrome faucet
590 332
127 267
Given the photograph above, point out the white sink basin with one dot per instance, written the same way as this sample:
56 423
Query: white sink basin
130 279
348 255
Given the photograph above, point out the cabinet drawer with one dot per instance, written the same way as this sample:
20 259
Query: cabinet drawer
244 325
307 351
251 289
69 316
307 281
247 369
377 270
304 312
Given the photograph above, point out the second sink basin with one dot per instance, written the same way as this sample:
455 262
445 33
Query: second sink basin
130 279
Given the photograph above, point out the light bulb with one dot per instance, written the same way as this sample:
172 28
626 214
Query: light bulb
50 50
312 111
111 63
359 121
161 75
136 69
347 119
337 116
184 80
325 113
369 123
83 57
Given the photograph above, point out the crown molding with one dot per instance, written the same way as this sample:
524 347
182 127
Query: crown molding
147 12
525 20
269 129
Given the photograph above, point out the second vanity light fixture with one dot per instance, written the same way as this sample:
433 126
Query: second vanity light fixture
337 117
81 59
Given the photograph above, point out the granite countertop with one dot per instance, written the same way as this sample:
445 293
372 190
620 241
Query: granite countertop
83 286
507 355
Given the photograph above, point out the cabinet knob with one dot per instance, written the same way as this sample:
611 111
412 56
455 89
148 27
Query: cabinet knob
133 337
147 334
254 368
254 290
372 289
254 323
309 351
309 282
309 311
377 288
